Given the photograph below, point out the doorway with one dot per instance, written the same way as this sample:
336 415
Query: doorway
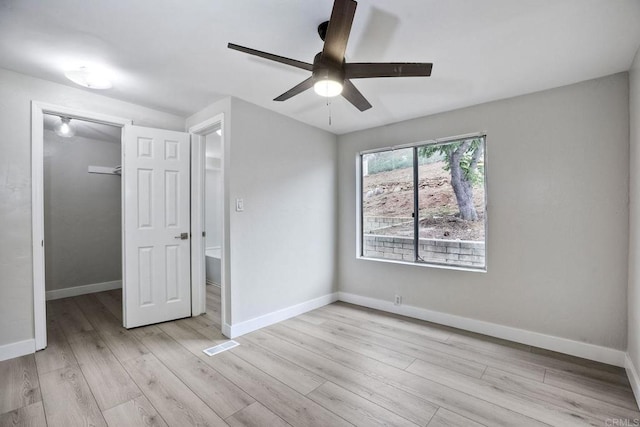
213 223
82 207
38 112
209 241
155 223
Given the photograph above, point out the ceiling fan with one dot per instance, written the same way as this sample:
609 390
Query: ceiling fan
330 73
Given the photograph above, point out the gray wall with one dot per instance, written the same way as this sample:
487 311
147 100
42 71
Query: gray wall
557 170
283 246
286 173
634 215
16 93
83 232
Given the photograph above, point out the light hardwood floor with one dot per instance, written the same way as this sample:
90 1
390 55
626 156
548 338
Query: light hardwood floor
336 366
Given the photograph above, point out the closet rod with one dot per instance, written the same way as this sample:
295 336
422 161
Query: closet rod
106 170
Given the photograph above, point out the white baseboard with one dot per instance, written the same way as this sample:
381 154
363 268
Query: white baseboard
233 331
17 349
634 379
84 289
562 345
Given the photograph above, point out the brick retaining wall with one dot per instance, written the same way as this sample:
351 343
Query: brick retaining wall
459 252
372 223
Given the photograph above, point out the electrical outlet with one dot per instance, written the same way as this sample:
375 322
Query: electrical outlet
239 205
397 300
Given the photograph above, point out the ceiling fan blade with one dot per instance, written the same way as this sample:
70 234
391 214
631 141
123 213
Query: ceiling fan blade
353 95
272 57
364 70
296 90
335 41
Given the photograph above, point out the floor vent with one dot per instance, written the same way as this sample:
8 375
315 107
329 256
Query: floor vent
220 348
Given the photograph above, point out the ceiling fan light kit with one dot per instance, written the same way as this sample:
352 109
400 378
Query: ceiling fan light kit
327 88
328 78
330 73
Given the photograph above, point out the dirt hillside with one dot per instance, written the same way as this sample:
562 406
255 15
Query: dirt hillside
390 194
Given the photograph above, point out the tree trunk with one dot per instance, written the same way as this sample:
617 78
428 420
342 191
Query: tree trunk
461 186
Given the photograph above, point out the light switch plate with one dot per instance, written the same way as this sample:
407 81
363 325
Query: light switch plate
239 205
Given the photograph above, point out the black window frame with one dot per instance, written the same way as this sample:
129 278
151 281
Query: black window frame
360 252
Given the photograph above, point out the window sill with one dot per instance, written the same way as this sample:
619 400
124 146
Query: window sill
426 264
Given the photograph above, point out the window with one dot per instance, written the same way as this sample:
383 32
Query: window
444 182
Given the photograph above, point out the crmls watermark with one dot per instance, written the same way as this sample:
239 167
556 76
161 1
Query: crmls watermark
622 422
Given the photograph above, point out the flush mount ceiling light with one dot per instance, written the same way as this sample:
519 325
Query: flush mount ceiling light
88 77
64 128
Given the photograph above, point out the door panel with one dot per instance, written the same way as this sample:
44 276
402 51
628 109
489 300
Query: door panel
157 282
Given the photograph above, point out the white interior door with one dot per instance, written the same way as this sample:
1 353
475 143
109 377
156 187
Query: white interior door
156 266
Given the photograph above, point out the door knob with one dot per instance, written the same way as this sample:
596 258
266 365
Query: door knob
182 236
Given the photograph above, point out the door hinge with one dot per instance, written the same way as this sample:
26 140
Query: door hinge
204 234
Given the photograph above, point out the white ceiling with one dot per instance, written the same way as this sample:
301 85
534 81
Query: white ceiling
172 55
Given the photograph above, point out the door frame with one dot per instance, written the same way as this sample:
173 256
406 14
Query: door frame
198 276
38 110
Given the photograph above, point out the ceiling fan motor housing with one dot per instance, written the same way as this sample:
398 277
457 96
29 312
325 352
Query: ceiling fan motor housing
322 29
324 69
